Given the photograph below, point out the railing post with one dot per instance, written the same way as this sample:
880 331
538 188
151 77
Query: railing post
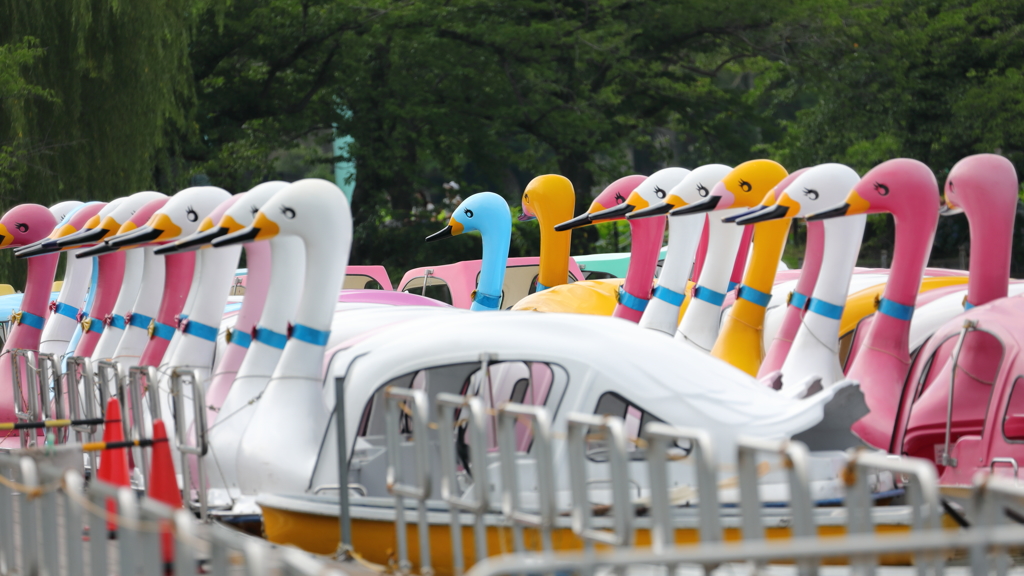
416 408
658 437
794 456
181 432
73 483
922 496
580 427
29 518
475 418
539 423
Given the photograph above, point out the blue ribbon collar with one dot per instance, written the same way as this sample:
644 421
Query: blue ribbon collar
895 309
826 309
754 296
630 301
308 334
666 294
708 295
269 337
199 330
29 319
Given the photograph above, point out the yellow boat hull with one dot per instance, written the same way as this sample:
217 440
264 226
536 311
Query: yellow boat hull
374 540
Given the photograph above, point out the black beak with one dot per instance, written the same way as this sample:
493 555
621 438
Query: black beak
735 217
620 210
144 234
82 237
33 245
770 213
581 220
45 246
446 232
656 210
836 212
242 236
193 242
705 205
98 250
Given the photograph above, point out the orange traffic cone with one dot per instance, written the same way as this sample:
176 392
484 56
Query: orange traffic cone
113 467
163 485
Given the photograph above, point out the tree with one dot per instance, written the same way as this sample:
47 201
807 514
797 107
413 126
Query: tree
934 80
92 90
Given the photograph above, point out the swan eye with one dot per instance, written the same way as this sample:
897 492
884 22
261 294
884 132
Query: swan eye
191 214
22 227
288 212
253 209
467 212
812 194
619 199
660 193
703 190
882 189
526 198
745 185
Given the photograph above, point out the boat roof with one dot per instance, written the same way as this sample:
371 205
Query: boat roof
689 387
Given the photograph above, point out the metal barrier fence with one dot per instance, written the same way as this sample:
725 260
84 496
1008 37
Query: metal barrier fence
52 521
998 502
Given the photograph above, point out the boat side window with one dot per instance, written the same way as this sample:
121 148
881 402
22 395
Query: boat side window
520 382
436 289
450 378
364 282
1013 421
634 417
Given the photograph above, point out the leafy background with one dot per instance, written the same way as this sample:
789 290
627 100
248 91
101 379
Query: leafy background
102 98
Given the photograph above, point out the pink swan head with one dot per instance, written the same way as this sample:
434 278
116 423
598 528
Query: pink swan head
984 186
900 187
25 224
614 194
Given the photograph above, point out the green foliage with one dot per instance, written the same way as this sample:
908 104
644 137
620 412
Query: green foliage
103 97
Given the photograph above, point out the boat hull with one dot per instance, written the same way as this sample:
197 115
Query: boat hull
373 532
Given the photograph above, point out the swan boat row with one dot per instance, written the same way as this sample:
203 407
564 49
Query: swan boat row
847 357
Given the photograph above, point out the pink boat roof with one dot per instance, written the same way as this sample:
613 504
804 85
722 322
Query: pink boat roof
460 279
356 277
388 297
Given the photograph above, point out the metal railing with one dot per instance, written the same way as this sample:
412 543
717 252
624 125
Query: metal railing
196 446
53 522
609 544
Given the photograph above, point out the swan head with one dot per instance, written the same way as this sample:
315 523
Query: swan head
180 216
62 211
110 222
73 222
982 185
898 186
812 190
481 212
307 208
694 187
614 195
25 224
653 190
549 198
239 213
743 187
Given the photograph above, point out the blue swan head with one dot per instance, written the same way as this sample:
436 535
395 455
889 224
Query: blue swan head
484 212
487 213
